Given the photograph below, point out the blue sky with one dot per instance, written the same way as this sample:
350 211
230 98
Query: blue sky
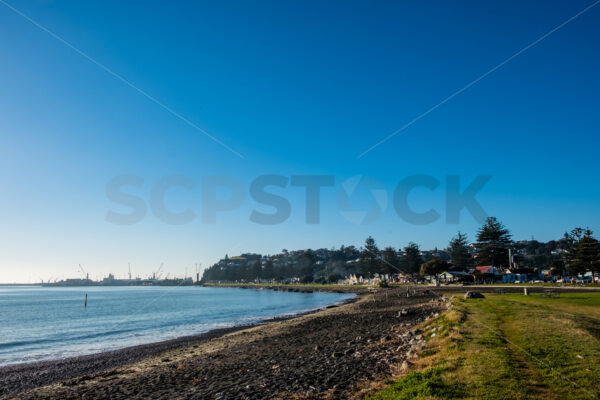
298 88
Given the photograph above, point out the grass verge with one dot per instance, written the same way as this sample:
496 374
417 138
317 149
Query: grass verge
509 347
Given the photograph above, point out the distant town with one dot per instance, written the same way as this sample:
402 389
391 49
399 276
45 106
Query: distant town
493 258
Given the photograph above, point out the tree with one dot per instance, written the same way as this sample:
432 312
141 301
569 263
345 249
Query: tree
587 254
459 253
411 261
493 240
391 262
212 274
434 267
307 266
239 273
571 246
269 270
557 268
369 258
255 271
230 274
333 278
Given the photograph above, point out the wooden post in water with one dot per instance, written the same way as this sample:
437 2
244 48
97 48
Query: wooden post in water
85 304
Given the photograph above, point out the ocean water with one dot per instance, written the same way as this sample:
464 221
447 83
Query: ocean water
38 323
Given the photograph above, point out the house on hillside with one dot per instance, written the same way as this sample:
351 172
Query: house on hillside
488 269
399 278
521 275
455 277
352 279
487 274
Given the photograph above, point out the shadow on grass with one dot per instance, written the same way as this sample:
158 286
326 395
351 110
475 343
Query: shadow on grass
591 325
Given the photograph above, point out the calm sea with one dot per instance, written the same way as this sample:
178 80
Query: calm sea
39 323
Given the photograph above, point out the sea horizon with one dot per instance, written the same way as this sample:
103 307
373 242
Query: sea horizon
51 323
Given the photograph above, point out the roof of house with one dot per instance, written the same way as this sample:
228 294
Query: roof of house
484 269
457 273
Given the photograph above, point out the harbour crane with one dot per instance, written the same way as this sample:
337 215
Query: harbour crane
83 272
157 274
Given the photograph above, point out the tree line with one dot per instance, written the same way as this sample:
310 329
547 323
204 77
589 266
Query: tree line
576 253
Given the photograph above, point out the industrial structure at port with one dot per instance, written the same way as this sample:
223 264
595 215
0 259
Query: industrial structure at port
110 280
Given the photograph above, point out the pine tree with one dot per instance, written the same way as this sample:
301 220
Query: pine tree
269 270
307 266
391 261
369 258
255 270
572 239
588 254
459 252
493 240
411 260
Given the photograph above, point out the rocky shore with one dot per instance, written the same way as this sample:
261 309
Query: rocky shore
338 352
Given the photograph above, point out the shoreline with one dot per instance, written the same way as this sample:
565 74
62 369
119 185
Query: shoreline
17 378
340 351
337 349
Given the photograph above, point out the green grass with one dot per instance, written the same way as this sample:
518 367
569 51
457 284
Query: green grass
509 347
549 284
417 385
582 299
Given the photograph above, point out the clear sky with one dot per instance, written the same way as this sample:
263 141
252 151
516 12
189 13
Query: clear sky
297 88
